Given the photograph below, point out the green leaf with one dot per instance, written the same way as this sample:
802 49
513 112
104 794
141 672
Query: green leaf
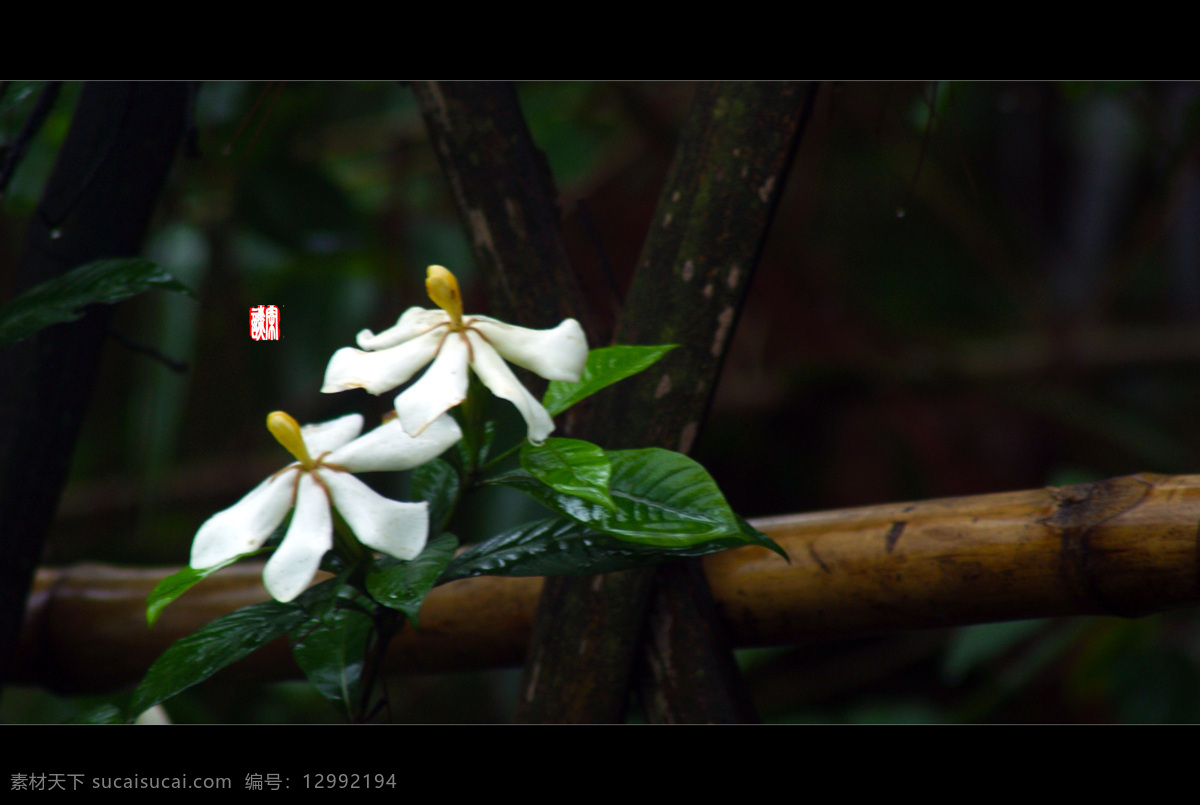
562 547
974 646
403 585
1156 685
437 483
663 498
62 298
226 640
489 437
605 366
104 713
330 648
571 466
179 583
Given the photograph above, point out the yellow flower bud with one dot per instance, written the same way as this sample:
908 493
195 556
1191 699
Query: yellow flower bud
287 431
443 290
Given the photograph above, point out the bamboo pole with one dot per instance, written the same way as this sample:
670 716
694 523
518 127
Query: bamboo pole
1126 546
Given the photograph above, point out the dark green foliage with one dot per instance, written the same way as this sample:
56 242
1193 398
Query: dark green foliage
105 282
1029 319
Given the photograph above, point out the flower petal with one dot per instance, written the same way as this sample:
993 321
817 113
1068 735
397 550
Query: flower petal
496 375
389 448
383 370
556 354
245 525
292 567
412 323
443 386
398 529
326 436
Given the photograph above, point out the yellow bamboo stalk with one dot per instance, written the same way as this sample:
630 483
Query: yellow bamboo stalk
1125 546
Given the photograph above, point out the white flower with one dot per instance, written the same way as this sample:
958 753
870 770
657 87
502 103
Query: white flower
155 715
311 485
454 342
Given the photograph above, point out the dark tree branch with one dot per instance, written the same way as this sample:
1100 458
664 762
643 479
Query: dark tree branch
97 204
504 191
694 272
692 276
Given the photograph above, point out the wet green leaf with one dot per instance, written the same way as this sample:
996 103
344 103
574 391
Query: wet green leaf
179 583
62 298
330 648
662 498
105 713
560 546
571 466
605 366
437 483
403 585
226 640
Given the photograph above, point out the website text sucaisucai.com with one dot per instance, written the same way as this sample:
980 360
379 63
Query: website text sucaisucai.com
78 782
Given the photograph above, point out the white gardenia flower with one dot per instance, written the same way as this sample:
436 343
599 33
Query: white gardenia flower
312 485
453 342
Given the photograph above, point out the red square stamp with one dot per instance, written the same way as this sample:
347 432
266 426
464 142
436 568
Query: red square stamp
264 323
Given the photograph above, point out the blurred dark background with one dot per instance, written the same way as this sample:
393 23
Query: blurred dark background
968 288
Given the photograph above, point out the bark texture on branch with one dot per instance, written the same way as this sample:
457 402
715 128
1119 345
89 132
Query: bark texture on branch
1125 546
507 200
692 276
97 204
505 194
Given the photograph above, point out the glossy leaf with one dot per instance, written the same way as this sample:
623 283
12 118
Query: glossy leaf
571 466
605 366
179 583
63 298
226 640
330 648
104 713
663 498
437 483
560 546
403 585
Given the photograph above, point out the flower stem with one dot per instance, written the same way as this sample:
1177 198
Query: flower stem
470 416
500 459
346 545
387 625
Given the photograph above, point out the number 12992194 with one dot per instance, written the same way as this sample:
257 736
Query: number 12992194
350 781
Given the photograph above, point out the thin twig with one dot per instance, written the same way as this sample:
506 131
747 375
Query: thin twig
174 364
